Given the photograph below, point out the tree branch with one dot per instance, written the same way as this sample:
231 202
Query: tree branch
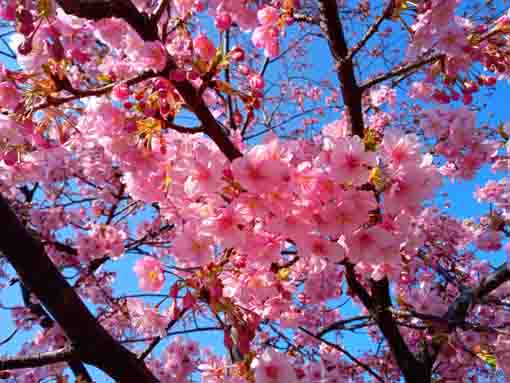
158 339
340 325
379 306
211 126
346 353
80 372
412 369
158 13
192 98
401 70
304 18
184 129
77 94
122 9
331 26
38 360
35 308
93 343
9 337
468 298
372 30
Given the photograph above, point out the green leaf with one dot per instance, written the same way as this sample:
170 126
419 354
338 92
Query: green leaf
487 358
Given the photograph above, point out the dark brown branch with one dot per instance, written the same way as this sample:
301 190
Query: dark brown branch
38 360
340 325
147 29
468 298
184 129
46 322
80 372
412 369
351 93
173 333
62 247
158 13
379 306
93 343
115 205
346 353
35 308
356 287
372 30
211 127
77 94
122 9
9 337
304 18
158 339
230 104
401 70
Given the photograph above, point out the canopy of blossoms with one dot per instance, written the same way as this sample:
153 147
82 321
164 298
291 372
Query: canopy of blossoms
268 173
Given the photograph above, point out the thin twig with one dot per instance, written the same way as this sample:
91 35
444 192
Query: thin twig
401 70
38 360
346 353
372 30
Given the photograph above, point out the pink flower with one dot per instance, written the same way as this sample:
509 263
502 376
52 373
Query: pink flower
503 355
146 319
205 173
10 157
120 92
227 225
266 38
257 171
421 90
153 56
193 248
8 11
256 82
180 358
150 274
320 247
9 96
11 131
337 129
347 215
204 47
237 53
453 40
382 95
349 161
223 21
184 6
366 245
411 186
489 240
111 31
400 149
273 367
268 15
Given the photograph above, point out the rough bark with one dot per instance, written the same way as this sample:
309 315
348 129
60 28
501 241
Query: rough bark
93 344
378 303
331 26
122 9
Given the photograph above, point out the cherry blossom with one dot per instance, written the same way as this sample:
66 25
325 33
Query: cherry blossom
224 191
151 277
